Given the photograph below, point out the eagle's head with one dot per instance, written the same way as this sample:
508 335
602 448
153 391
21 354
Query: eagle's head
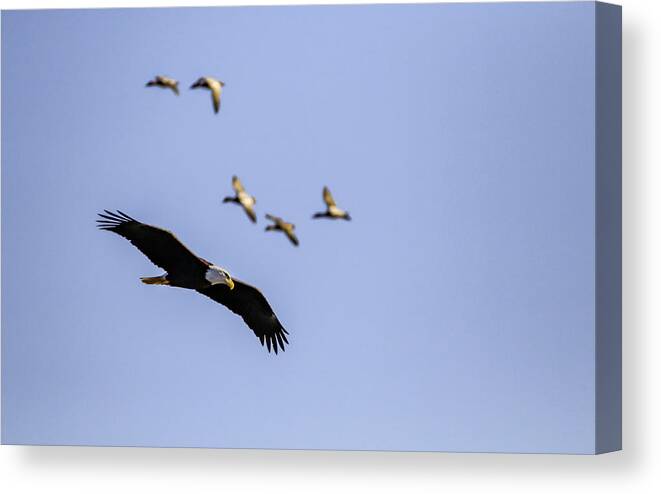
219 276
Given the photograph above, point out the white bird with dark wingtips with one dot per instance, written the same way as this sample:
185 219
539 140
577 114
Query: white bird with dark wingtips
214 85
165 83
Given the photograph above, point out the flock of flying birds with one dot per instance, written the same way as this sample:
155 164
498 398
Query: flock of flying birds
241 197
213 85
247 202
183 269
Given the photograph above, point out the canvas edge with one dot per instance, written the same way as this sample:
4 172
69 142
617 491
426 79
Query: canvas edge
608 228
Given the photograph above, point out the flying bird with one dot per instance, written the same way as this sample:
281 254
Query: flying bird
185 270
214 85
279 225
332 211
165 83
242 198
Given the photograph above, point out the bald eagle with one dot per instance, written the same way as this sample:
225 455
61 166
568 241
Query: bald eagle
185 270
332 211
215 86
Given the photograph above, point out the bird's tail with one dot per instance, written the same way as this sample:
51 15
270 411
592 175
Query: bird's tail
156 280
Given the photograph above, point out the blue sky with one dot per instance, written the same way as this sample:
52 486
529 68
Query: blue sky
454 313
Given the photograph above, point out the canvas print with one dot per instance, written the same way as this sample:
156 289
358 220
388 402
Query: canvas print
376 227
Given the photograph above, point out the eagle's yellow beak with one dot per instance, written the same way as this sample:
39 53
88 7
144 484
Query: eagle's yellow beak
230 283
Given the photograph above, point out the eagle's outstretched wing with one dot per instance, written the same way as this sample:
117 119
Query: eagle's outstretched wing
248 302
160 246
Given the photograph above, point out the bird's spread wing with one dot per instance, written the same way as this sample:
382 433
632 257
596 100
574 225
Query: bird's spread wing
237 185
215 95
249 303
328 198
291 236
160 246
275 219
250 212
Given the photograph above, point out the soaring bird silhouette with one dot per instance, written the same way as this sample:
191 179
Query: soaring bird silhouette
280 225
214 85
165 83
186 270
242 198
332 211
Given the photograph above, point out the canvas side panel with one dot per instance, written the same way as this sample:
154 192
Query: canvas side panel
608 413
